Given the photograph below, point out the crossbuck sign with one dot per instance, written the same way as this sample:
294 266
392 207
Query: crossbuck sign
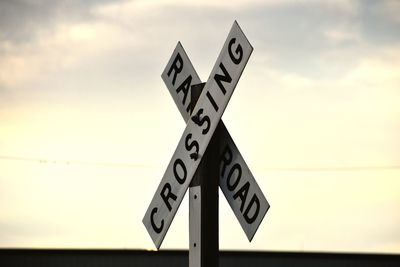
235 179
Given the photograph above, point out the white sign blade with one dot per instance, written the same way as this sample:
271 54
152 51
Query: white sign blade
180 69
199 130
240 188
179 75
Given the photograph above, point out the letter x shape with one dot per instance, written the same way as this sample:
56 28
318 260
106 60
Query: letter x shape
199 130
228 150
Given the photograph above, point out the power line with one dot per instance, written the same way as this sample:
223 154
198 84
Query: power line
74 162
337 168
133 165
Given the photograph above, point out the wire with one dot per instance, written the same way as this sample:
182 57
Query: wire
132 165
76 162
345 168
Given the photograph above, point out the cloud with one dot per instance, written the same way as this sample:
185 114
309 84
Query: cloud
379 22
53 51
22 20
37 36
296 36
293 37
273 26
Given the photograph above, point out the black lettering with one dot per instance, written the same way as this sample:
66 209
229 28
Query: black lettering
184 87
226 159
242 194
222 78
177 69
182 179
231 186
189 147
200 121
212 101
166 194
153 224
239 51
254 200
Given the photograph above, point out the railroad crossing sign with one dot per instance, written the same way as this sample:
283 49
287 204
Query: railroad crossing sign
235 179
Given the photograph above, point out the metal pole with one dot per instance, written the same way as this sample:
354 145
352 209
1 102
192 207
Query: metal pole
203 202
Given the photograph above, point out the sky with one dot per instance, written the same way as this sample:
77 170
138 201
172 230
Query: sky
87 127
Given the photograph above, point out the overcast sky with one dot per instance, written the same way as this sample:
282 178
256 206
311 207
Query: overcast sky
316 116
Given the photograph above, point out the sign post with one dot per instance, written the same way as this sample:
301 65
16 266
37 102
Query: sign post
203 203
206 155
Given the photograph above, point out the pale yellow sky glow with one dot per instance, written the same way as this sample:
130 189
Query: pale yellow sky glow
87 127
